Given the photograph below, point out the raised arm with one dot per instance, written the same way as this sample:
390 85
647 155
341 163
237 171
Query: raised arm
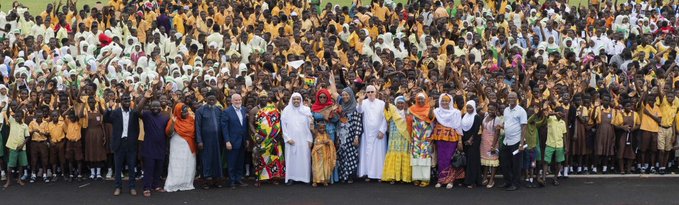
147 95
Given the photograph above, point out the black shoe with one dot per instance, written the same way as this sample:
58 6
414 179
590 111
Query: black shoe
511 188
661 172
232 186
530 185
504 185
289 183
241 184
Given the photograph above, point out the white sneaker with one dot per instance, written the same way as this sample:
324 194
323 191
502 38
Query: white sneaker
437 185
109 174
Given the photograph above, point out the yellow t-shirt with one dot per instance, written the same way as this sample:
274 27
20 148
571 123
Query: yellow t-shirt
178 22
57 131
647 123
648 49
556 128
669 111
17 134
619 119
37 129
72 131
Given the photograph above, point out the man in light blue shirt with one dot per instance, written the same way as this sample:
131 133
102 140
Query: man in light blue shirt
515 120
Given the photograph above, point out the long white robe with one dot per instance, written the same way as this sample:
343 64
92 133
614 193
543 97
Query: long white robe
295 124
372 149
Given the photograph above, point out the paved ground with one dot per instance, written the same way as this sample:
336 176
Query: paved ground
630 190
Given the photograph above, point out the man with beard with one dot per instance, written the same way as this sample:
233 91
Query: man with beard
124 136
154 146
268 152
235 132
207 136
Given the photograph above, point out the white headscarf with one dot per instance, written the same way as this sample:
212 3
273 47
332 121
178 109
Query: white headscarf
468 119
448 117
292 113
301 113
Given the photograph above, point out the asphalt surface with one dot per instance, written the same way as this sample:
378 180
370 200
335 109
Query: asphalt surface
631 190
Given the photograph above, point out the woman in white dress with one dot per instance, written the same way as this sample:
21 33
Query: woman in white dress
182 168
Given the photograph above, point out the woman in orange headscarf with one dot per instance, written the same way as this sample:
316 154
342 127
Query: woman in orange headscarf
419 125
182 167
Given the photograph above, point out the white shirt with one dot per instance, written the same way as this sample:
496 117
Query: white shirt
239 113
514 119
126 122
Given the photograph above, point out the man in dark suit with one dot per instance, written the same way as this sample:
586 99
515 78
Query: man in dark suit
234 123
124 138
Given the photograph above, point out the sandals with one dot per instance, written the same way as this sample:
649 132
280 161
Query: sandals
161 190
438 185
147 193
314 185
449 186
490 184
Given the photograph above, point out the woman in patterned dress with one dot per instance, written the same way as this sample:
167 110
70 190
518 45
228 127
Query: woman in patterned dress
324 110
269 150
397 163
447 134
350 129
489 145
419 122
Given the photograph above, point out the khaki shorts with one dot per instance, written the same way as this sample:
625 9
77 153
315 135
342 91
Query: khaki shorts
665 138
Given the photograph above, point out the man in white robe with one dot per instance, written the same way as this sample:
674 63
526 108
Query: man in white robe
296 125
373 146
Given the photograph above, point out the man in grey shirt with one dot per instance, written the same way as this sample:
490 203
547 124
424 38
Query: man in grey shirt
515 120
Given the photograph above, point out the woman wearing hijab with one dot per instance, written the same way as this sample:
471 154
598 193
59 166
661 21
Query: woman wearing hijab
471 123
296 122
397 163
447 134
349 133
419 121
324 111
182 165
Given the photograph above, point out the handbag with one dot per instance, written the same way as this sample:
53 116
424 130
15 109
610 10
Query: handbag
458 160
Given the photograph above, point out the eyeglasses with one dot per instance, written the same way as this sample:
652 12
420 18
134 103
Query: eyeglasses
323 97
370 91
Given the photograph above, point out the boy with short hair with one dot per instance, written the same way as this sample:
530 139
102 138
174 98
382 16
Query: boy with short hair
668 108
650 125
57 147
74 147
535 122
39 147
556 134
16 142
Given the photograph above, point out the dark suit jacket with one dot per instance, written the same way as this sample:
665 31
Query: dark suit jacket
115 117
232 130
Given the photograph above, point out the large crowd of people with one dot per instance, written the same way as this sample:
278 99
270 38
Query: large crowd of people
431 92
